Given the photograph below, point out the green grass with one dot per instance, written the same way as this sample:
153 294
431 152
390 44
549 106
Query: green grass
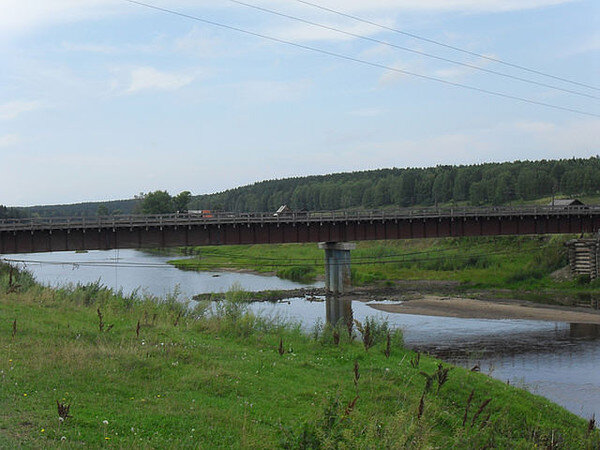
218 380
518 263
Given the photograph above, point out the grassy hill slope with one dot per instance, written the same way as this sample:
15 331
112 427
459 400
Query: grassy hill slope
138 373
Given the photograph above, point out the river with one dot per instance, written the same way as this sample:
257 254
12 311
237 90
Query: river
560 361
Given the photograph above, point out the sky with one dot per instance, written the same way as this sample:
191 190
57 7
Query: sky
104 99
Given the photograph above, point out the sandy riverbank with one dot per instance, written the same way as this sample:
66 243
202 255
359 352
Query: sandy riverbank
466 308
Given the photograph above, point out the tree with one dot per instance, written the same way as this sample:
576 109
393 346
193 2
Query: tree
181 201
102 210
10 213
157 202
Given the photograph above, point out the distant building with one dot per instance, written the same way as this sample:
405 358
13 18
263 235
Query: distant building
566 202
284 210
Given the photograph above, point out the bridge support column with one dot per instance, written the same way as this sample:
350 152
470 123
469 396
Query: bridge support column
337 265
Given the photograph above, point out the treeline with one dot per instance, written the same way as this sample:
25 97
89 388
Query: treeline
87 209
11 213
483 184
492 183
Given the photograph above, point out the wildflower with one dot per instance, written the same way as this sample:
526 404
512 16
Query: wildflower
24 395
10 360
107 438
61 419
105 422
43 429
64 438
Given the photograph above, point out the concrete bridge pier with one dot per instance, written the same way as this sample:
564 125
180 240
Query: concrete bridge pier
338 309
337 266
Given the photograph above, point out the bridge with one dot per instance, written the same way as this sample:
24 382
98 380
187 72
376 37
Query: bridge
331 227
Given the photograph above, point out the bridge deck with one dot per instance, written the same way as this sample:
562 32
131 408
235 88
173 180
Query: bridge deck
221 228
61 223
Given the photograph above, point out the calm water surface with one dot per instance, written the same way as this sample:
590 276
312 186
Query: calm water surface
560 361
130 269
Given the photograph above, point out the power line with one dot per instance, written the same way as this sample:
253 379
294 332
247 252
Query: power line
407 49
202 265
442 44
237 258
354 258
364 62
232 258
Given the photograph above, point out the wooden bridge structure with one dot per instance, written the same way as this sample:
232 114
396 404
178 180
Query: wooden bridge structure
220 228
173 230
143 231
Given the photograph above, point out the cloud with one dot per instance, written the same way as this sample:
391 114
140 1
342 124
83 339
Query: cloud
272 91
8 140
458 71
23 16
441 5
157 44
90 48
305 33
590 45
198 41
513 140
389 77
149 78
367 112
12 109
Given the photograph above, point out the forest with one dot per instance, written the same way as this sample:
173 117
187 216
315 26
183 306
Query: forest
481 184
11 213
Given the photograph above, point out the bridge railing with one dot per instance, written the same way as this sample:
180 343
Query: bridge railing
221 217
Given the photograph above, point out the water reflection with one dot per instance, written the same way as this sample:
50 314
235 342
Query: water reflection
338 310
584 330
128 270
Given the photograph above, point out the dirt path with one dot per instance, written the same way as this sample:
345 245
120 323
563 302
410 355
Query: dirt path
431 305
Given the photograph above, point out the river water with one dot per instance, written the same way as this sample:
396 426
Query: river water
560 361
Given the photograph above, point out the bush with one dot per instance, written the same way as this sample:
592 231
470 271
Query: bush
582 279
21 278
359 278
297 273
527 273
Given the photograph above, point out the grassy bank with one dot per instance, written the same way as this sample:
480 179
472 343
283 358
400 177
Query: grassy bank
519 263
143 373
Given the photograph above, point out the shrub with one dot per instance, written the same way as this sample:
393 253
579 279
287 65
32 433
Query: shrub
527 273
297 273
582 279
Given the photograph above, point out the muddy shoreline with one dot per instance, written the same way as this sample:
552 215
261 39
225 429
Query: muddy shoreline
469 308
438 299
